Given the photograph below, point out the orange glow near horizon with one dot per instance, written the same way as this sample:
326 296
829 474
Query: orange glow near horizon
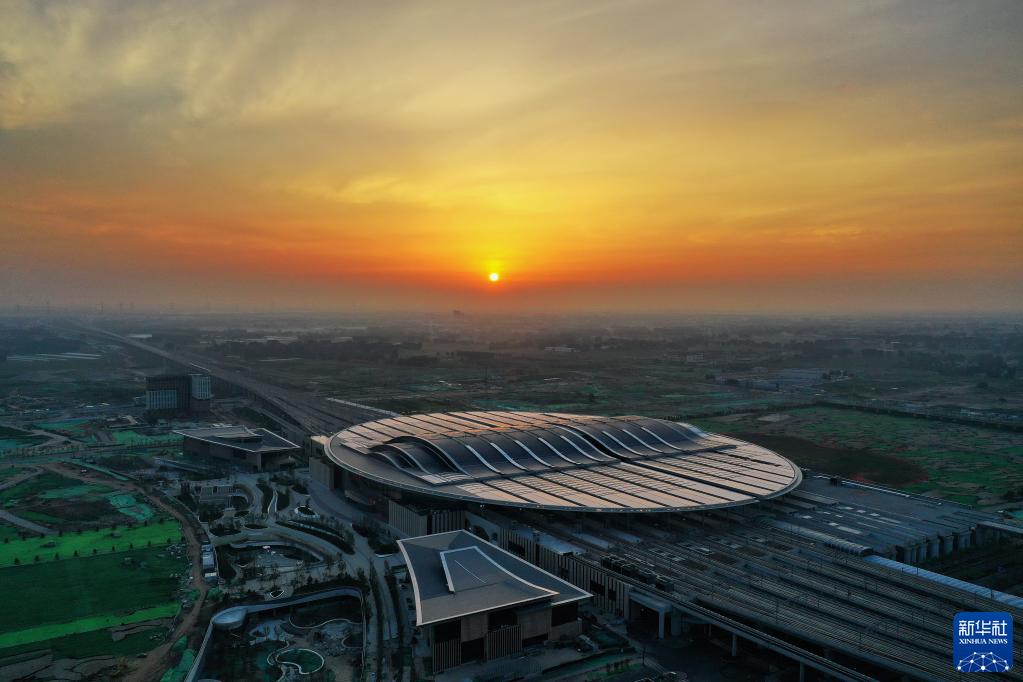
669 156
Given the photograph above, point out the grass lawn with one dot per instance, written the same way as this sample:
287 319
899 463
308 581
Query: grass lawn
102 540
73 427
114 585
11 438
40 517
307 660
49 485
8 533
20 638
71 492
93 643
103 470
135 437
9 472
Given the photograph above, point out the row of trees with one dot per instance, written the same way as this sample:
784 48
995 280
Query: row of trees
113 549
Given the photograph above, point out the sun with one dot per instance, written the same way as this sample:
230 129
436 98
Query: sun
494 276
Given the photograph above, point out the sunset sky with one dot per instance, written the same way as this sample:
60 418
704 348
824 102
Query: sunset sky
676 156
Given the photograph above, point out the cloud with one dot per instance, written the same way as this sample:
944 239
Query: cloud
564 139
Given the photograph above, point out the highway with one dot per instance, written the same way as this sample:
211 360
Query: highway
312 414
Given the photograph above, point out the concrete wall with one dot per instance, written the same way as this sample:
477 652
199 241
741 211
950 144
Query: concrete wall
566 631
323 472
474 627
533 623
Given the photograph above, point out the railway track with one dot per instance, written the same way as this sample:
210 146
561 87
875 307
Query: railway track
820 595
918 654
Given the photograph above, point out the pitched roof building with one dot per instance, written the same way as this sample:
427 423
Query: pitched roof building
479 602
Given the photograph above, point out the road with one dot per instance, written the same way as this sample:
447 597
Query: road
314 414
15 480
17 520
326 503
25 523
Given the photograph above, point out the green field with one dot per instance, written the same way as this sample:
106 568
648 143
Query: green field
129 506
8 533
12 438
9 472
85 625
63 502
59 598
85 644
72 427
968 464
306 660
103 470
103 541
50 486
53 599
138 438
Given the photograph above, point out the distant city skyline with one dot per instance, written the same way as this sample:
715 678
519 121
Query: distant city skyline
569 156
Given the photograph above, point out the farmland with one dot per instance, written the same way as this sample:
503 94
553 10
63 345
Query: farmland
61 502
87 543
57 598
18 438
968 464
104 578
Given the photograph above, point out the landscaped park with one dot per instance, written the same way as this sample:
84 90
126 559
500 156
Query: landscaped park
87 571
320 641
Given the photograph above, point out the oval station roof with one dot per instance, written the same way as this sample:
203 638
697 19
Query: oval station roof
562 461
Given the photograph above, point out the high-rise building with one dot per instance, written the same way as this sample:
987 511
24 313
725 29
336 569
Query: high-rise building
200 394
178 394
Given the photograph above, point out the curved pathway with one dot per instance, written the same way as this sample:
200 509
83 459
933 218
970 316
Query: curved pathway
25 523
23 476
17 520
